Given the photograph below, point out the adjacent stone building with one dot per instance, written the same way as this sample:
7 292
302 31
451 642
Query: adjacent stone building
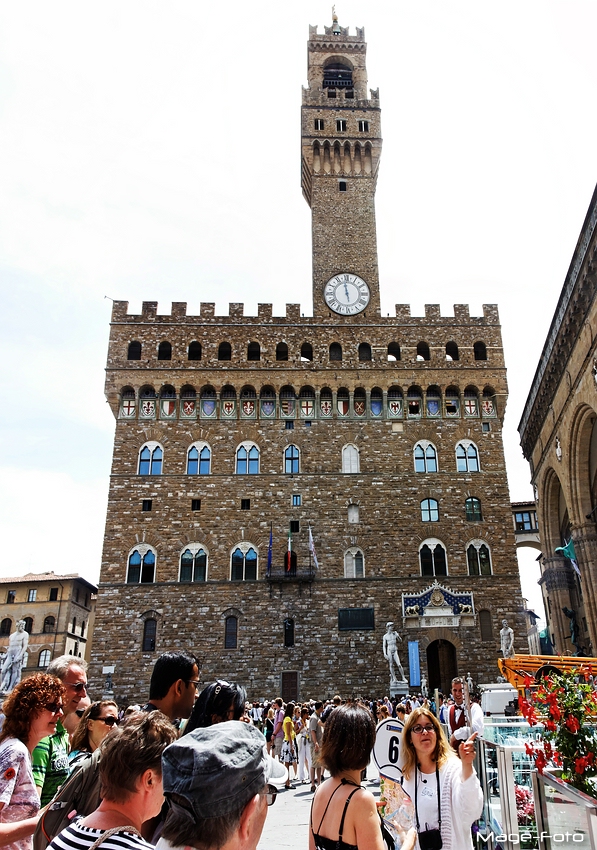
559 439
58 611
282 486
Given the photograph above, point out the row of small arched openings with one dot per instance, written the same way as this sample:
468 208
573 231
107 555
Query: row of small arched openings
364 351
49 626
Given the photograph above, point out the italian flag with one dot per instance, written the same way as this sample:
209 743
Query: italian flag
289 553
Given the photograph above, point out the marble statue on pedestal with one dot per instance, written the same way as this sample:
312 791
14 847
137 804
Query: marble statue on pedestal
390 653
506 640
16 658
469 683
424 689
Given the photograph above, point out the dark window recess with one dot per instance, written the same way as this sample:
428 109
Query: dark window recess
281 351
28 625
10 597
245 504
224 351
146 505
480 351
149 634
49 625
485 625
5 626
296 500
307 423
53 594
195 504
164 351
355 618
288 632
486 427
195 351
307 352
231 633
134 351
319 123
342 185
363 126
335 351
289 426
337 76
295 526
253 351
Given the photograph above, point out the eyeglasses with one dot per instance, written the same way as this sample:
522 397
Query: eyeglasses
418 729
193 682
270 793
54 707
76 686
109 721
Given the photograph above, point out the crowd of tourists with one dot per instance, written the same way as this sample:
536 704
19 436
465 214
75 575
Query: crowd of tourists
198 767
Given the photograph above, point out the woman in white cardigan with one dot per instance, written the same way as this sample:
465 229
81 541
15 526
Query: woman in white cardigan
443 786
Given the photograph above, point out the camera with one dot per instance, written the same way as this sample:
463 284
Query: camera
430 839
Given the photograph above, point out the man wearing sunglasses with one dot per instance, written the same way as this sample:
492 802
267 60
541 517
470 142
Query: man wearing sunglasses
50 757
217 786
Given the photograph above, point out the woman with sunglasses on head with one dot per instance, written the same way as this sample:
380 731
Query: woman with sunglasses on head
32 710
219 701
444 787
95 723
343 813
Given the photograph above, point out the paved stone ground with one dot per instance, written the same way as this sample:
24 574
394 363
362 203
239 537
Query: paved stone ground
287 824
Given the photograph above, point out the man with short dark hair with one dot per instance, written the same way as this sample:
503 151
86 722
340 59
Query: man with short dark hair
460 728
50 757
278 733
216 783
174 685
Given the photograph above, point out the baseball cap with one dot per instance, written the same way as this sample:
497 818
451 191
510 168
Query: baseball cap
218 769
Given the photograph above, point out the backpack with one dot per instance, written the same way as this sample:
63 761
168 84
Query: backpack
80 795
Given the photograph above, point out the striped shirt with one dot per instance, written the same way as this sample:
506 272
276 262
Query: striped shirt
77 837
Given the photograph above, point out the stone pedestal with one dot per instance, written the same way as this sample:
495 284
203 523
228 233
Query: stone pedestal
398 689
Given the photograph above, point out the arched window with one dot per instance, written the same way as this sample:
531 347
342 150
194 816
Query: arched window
141 566
472 507
452 401
354 564
480 351
49 625
335 351
193 564
281 351
307 352
5 626
199 459
29 624
150 459
393 352
467 457
429 510
224 351
231 633
471 401
414 401
150 627
45 656
288 632
425 456
244 563
291 460
247 459
253 351
164 351
343 401
134 352
432 557
478 558
350 459
485 625
364 352
195 351
423 351
433 402
451 351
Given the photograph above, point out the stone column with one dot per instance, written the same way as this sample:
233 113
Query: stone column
585 547
559 580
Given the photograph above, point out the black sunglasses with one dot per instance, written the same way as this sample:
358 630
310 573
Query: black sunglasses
109 721
270 793
53 707
76 686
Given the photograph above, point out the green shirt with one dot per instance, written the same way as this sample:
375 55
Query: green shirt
50 763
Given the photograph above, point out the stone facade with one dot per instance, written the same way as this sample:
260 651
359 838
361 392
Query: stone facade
59 614
559 439
379 438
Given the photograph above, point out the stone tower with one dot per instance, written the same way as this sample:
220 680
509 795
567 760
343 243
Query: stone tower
341 148
283 486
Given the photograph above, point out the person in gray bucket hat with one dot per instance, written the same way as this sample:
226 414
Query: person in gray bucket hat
217 783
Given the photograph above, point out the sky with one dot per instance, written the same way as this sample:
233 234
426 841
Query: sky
151 151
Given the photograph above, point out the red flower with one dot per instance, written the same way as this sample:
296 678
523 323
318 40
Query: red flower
580 764
540 761
550 725
530 749
572 723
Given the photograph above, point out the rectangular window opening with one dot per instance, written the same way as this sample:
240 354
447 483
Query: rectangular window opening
10 597
319 123
340 125
342 185
296 500
53 594
295 526
32 596
146 505
363 126
245 504
195 504
289 426
356 619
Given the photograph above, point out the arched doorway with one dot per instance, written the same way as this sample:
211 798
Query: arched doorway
441 665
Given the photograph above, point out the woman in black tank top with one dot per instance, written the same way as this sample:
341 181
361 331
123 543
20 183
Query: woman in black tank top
343 813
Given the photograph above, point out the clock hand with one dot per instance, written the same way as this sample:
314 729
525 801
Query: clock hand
346 291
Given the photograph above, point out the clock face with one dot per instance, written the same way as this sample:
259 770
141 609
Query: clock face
346 294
